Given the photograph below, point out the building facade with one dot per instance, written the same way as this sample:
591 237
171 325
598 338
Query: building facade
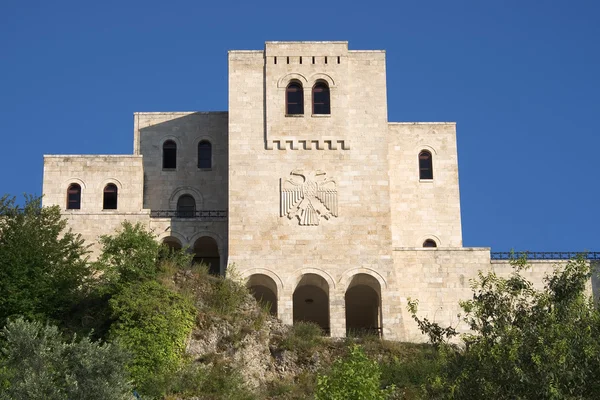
303 187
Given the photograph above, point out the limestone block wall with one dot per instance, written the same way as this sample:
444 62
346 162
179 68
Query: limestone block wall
92 173
162 186
424 209
261 240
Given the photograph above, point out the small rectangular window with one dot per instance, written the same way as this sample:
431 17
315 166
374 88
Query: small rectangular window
325 59
313 59
338 59
274 60
300 60
288 60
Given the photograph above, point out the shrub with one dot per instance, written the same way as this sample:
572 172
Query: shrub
153 323
42 266
36 364
354 377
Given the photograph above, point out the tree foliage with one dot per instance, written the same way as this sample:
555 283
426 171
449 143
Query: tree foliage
43 270
355 377
35 363
526 343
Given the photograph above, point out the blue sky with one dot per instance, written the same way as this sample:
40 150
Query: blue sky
520 78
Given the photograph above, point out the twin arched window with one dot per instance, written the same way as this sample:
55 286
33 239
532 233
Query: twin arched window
109 197
169 155
204 154
74 197
425 165
109 201
294 98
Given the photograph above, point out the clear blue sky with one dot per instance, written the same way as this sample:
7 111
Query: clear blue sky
520 78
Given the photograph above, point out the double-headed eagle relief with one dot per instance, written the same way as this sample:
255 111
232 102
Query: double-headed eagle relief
308 196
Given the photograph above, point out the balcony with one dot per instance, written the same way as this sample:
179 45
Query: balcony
198 215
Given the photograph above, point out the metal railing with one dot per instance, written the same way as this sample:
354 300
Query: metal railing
544 255
206 215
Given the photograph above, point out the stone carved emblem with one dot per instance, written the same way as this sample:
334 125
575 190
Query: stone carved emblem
309 196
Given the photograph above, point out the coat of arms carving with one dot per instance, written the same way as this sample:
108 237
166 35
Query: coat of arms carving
309 196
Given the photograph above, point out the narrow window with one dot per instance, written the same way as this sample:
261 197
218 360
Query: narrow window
110 197
74 197
288 60
186 206
321 98
338 59
325 59
313 59
204 155
169 155
274 60
294 99
429 243
300 60
425 165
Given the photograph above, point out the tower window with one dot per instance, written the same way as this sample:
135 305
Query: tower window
204 155
110 197
320 97
169 155
294 99
74 197
425 165
429 243
186 206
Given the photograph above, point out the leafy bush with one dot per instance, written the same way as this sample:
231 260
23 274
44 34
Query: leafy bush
303 338
152 322
355 377
129 256
526 343
36 364
42 266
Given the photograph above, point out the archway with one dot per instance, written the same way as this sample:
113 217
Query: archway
311 301
172 243
264 290
206 251
363 306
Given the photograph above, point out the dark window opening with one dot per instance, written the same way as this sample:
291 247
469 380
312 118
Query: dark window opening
338 59
288 60
169 155
313 59
74 197
321 99
300 60
425 165
294 99
429 243
186 206
274 60
204 154
325 59
110 197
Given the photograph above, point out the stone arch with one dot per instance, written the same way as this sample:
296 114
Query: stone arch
169 137
285 80
264 290
172 242
168 233
426 147
189 190
207 248
423 238
77 181
363 305
311 300
301 272
347 276
263 271
321 77
114 181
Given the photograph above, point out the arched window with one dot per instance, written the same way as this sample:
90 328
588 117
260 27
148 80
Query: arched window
425 165
320 97
186 206
110 197
429 243
294 99
169 155
74 197
204 154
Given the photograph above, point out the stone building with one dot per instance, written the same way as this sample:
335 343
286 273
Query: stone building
325 208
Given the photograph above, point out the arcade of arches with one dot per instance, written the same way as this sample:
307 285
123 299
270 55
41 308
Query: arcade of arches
205 250
311 301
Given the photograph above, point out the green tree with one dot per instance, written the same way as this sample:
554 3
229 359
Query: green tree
355 377
35 363
525 343
43 270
